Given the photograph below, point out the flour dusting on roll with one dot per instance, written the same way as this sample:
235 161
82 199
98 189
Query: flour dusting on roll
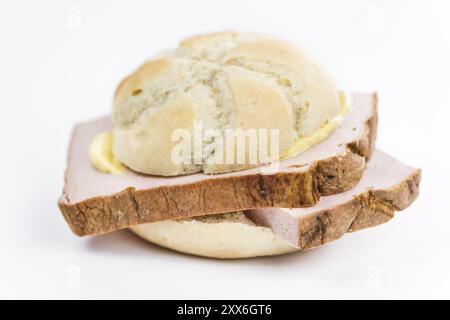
213 84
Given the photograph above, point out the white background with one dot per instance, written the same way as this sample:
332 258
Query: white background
60 62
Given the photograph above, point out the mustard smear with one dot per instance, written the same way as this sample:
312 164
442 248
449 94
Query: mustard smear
101 155
303 144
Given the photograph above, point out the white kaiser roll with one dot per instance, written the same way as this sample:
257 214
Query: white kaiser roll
224 80
223 236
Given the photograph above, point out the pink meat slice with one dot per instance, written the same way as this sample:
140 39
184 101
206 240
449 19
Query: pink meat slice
83 181
387 185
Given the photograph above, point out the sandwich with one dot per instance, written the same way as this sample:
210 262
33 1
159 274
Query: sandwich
233 145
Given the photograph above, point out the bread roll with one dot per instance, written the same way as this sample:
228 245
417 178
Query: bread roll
223 81
223 236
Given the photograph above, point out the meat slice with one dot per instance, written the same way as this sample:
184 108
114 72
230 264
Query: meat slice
94 202
386 186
